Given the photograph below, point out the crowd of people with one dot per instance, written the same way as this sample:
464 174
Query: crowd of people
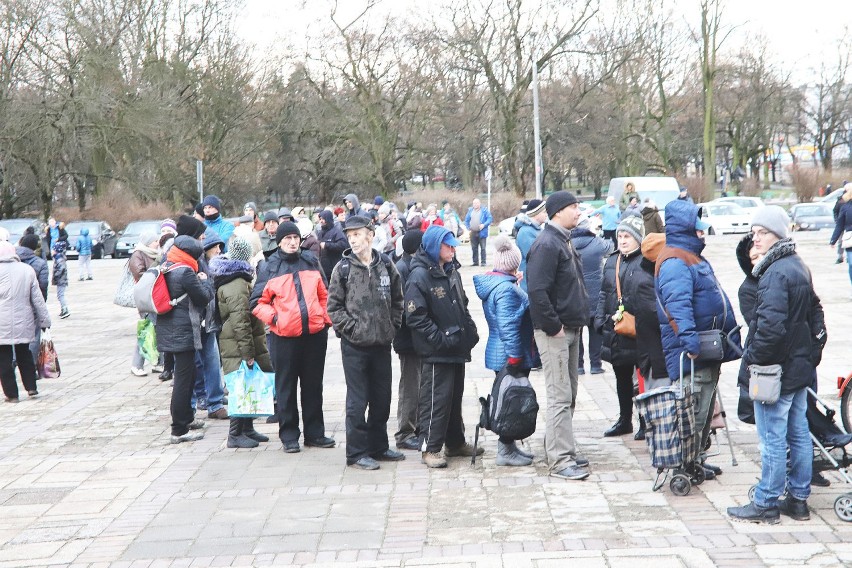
267 291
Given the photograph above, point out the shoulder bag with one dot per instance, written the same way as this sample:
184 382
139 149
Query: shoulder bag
624 322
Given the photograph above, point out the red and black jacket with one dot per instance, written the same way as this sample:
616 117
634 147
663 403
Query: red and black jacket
290 295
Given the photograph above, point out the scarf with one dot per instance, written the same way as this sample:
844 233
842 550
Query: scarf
147 251
176 255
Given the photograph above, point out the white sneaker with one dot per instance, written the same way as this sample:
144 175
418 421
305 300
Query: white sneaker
156 369
139 372
191 436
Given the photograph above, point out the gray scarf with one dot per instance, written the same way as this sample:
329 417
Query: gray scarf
782 248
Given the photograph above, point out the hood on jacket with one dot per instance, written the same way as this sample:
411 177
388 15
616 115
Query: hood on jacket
327 218
581 237
432 239
681 217
743 248
24 253
84 232
190 246
353 199
652 245
523 219
224 269
485 284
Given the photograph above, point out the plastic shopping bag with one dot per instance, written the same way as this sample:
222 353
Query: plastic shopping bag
48 360
250 392
146 337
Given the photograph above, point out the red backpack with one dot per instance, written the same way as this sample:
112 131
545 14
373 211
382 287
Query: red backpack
151 292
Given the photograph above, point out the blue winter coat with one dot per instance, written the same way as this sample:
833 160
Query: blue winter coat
691 294
485 220
527 231
223 228
593 253
510 331
84 243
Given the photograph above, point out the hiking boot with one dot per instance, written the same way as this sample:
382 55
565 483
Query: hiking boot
572 472
324 442
219 414
409 444
433 459
138 371
249 431
508 456
796 509
465 450
188 437
752 513
389 455
367 463
292 447
819 480
619 428
196 425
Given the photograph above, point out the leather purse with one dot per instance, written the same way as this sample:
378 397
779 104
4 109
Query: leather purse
624 322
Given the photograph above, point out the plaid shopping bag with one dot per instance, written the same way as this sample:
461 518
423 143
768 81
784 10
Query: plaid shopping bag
660 409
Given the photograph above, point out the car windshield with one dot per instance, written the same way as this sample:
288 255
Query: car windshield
813 211
16 226
725 209
74 229
744 203
138 228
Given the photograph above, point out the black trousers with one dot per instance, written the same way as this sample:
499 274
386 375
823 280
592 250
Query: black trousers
299 361
183 383
440 409
624 389
477 245
610 234
368 398
26 366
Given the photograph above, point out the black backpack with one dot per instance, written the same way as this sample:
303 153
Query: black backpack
511 409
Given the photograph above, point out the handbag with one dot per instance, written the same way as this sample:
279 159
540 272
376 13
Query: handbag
250 392
624 322
146 337
764 383
48 360
846 240
124 293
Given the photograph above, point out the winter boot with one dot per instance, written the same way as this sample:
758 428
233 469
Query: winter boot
236 439
640 433
519 450
250 432
507 456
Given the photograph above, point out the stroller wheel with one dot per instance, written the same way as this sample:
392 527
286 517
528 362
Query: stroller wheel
680 485
751 491
843 507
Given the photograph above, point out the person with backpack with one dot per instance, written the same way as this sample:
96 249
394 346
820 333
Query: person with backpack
510 332
365 307
145 255
179 330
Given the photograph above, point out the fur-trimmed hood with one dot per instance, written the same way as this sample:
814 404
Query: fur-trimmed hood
784 247
224 270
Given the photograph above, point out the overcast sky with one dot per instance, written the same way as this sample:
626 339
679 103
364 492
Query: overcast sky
799 33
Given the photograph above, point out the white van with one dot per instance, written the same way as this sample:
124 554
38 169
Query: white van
660 189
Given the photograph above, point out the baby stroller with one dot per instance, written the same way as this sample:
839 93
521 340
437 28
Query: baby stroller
671 434
829 442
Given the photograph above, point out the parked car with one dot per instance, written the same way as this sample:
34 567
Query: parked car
507 226
725 218
102 235
750 204
832 197
811 217
130 235
16 228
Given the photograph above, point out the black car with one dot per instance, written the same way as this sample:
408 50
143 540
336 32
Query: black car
102 235
811 217
16 228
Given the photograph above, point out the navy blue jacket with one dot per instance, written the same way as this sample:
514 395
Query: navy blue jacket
843 221
593 252
510 332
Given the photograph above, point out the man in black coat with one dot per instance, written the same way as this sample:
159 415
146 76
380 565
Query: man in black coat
443 334
332 242
559 307
789 333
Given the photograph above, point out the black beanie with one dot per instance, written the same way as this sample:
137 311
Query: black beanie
199 209
30 241
411 241
559 201
187 225
286 228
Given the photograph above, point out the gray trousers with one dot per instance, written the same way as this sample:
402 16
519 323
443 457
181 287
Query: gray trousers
704 392
559 359
409 396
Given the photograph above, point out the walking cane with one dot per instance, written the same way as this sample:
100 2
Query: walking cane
727 432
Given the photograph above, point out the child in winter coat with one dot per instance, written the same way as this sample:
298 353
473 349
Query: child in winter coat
60 272
84 248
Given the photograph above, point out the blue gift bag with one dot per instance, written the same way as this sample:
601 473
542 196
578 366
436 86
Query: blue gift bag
250 392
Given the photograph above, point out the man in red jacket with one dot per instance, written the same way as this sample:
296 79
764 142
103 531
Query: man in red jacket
290 297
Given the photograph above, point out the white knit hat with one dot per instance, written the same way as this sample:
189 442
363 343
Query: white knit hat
507 256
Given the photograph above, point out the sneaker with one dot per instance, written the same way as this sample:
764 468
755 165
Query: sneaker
597 370
324 442
581 371
796 509
433 459
367 463
157 369
573 472
89 278
64 314
389 455
465 450
220 414
409 444
12 399
188 437
752 513
581 461
138 371
32 393
196 425
292 447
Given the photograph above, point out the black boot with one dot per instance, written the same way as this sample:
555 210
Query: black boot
236 439
620 428
640 433
250 432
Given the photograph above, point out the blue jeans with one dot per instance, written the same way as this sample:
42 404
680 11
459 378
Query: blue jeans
781 425
208 373
849 263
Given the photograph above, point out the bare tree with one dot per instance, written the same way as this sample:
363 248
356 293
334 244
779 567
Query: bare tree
828 104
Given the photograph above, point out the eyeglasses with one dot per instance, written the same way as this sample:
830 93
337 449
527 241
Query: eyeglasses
760 233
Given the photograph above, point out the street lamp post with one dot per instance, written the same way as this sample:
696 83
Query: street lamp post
199 179
778 159
536 128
